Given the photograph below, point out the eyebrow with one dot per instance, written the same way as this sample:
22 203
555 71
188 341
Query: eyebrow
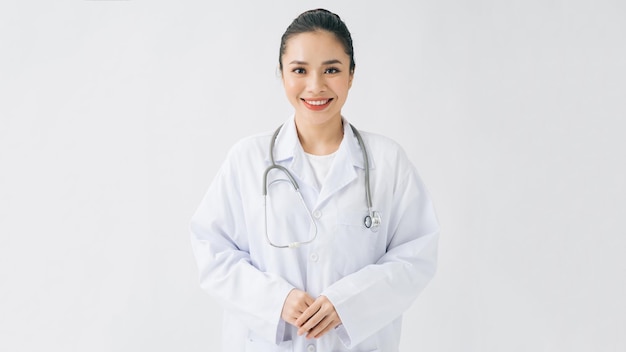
327 62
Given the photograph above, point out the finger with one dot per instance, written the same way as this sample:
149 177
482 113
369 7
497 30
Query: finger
311 322
296 302
327 316
333 324
317 329
304 305
303 302
300 309
308 313
317 322
308 300
296 312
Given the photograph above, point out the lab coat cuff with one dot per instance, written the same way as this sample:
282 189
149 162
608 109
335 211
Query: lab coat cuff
343 336
281 328
280 332
342 333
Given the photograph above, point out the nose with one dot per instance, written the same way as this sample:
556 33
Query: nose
316 83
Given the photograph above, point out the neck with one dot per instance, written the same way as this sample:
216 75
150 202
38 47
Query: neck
322 139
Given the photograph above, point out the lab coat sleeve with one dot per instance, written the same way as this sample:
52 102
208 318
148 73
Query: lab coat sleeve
219 242
376 295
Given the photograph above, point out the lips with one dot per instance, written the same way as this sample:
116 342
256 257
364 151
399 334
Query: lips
317 104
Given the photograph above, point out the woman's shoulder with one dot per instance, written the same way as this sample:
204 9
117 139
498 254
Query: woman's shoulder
387 154
379 143
251 143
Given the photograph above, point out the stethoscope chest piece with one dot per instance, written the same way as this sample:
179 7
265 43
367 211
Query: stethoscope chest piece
372 221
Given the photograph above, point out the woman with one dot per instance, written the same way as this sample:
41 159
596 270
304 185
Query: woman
324 272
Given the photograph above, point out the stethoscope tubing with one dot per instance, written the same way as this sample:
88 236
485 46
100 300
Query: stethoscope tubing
366 164
371 221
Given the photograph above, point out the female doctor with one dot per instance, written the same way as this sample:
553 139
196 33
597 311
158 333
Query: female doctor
315 236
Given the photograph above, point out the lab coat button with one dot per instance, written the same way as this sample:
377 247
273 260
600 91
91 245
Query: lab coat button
310 348
317 214
314 257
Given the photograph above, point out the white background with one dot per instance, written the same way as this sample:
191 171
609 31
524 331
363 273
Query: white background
115 115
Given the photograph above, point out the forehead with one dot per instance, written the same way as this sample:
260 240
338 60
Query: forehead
319 44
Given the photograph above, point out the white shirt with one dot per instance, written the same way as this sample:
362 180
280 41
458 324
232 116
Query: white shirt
370 277
321 166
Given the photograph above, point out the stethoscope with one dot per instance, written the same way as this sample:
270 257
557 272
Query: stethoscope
371 221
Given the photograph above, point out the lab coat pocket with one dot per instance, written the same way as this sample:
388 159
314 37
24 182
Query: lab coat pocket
355 245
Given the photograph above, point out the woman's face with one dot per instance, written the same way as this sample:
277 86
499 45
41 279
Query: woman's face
316 76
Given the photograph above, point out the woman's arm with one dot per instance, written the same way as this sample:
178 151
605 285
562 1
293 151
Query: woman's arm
374 296
226 272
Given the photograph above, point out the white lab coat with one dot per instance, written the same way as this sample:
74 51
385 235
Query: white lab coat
370 277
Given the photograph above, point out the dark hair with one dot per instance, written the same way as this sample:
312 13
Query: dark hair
318 20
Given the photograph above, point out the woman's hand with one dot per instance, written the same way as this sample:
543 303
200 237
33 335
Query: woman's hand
318 319
296 303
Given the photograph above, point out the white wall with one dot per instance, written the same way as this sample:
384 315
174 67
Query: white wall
114 116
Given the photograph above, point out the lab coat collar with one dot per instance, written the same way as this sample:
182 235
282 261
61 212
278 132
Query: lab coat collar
348 157
287 144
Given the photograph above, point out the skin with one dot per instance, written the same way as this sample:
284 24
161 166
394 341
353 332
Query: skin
313 317
315 69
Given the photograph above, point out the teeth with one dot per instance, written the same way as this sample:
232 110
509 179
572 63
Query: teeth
317 102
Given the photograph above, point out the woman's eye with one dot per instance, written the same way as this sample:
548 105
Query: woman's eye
332 70
298 71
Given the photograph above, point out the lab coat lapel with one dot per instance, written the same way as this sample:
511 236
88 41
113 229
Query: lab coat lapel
302 168
344 169
289 153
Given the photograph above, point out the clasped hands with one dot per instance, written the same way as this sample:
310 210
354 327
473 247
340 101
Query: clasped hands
314 317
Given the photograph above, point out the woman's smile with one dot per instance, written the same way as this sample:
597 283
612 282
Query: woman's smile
316 104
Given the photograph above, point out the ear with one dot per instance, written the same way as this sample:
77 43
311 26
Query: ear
350 79
279 72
